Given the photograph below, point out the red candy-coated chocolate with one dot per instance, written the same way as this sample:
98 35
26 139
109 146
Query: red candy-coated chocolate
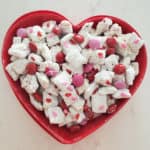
78 38
119 69
33 47
31 68
111 42
110 51
60 57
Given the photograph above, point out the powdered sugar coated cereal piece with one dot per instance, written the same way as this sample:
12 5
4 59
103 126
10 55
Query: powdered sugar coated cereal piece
122 93
104 77
49 100
52 39
115 29
36 33
56 115
29 83
17 40
107 90
66 27
99 103
135 66
103 26
110 62
48 26
130 75
35 103
43 80
18 50
19 66
48 64
37 59
61 78
88 92
11 72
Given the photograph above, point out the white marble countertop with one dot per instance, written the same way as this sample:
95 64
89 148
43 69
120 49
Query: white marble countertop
129 129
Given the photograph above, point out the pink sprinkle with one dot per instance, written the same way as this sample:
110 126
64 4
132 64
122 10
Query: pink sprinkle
124 95
66 44
30 29
123 45
54 114
87 68
78 80
70 88
101 107
94 44
74 98
50 36
65 83
120 84
136 41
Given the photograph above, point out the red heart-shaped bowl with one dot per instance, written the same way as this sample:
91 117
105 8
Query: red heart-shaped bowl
62 134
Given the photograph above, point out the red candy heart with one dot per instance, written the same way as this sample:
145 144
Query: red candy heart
62 134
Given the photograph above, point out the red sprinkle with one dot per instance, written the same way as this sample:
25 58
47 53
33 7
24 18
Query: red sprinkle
48 100
33 47
31 68
39 33
69 71
74 128
110 51
111 42
68 94
112 108
108 82
37 96
78 38
77 116
100 55
119 69
60 57
57 31
95 90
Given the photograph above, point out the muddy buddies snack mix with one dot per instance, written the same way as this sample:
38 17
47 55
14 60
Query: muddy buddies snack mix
74 77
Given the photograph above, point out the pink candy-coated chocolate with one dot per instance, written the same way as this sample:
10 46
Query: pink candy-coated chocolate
87 68
94 44
78 80
21 32
120 84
